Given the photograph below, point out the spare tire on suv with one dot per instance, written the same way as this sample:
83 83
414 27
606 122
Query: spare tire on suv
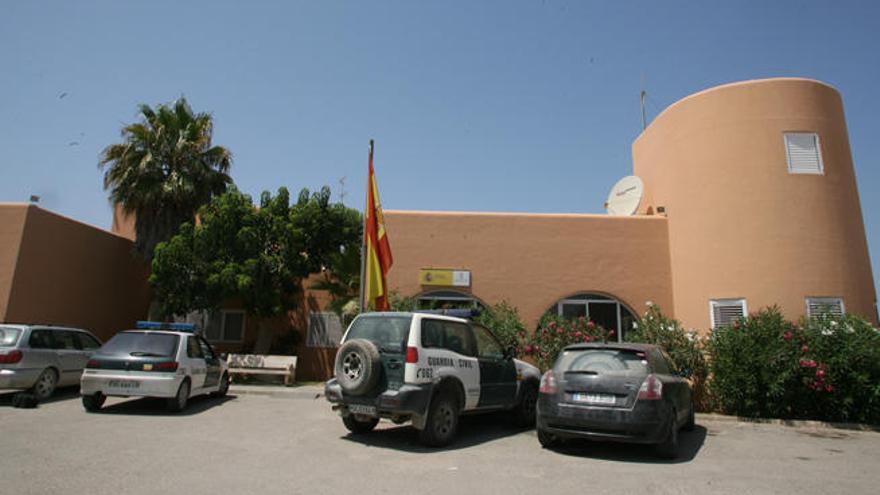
358 366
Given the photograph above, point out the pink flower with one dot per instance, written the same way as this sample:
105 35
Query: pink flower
578 335
611 334
558 331
529 349
829 388
588 338
590 324
820 373
805 349
807 363
552 324
787 335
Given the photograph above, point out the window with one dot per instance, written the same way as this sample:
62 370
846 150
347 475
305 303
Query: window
66 340
87 342
193 349
803 153
487 345
206 349
824 306
41 339
605 311
447 299
143 343
225 326
325 330
724 312
449 335
661 365
9 336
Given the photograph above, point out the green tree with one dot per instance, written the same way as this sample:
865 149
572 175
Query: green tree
164 170
256 255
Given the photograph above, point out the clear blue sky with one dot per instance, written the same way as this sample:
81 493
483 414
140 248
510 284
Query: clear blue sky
499 106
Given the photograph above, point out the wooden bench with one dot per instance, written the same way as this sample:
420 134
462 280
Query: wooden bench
257 364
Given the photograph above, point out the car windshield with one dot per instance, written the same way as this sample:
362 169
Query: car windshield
9 336
142 344
389 333
603 362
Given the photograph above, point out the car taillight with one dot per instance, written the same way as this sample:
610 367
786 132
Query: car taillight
412 354
651 389
548 383
11 357
93 363
167 366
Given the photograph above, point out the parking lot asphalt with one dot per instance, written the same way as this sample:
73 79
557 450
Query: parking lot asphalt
290 442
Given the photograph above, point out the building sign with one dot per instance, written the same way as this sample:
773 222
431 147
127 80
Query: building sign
446 278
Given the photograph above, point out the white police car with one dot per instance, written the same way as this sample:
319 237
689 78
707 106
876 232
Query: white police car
427 368
168 360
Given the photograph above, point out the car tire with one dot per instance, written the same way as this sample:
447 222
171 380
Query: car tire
224 386
547 439
94 402
668 448
45 385
442 422
524 413
357 426
358 366
692 421
179 401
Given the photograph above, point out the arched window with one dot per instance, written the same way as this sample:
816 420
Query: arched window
448 299
602 310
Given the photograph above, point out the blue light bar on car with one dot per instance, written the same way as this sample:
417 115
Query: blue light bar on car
458 313
159 325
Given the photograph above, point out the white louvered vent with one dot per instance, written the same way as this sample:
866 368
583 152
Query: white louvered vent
725 312
819 306
803 153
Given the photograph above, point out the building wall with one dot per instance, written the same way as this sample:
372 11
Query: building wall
70 273
12 218
534 260
739 224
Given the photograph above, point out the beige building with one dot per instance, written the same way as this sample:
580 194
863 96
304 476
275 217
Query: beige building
750 200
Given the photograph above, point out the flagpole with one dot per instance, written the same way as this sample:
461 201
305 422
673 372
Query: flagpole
364 238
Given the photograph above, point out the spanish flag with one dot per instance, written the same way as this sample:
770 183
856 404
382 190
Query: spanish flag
377 251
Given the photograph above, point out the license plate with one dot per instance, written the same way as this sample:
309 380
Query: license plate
124 384
603 399
362 409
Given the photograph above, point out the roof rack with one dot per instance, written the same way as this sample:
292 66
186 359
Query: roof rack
160 325
458 313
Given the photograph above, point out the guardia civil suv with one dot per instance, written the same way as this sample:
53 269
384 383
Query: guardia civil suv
427 368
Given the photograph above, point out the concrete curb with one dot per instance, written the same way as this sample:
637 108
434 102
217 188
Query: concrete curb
795 423
295 392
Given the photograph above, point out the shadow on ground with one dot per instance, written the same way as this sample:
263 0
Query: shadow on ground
690 443
61 394
472 431
157 407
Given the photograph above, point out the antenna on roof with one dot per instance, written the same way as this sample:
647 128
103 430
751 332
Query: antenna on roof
642 101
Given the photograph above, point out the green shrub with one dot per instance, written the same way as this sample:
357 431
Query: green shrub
504 321
683 347
554 333
825 368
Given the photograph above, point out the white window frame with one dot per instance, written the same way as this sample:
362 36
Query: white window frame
815 135
586 303
223 339
824 300
726 302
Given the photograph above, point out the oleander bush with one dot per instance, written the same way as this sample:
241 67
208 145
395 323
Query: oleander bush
554 333
825 368
504 321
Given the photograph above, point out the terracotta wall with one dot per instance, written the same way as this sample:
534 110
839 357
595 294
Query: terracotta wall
70 273
534 260
741 226
12 218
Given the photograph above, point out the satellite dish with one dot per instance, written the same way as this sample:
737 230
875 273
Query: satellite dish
625 196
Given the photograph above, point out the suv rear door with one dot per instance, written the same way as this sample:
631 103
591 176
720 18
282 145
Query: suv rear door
390 335
497 371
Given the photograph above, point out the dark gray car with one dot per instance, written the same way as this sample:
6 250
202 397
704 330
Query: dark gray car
41 358
616 392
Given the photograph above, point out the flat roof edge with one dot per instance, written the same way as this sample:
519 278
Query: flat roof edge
427 213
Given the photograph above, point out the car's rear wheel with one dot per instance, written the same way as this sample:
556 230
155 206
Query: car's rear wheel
442 422
668 448
45 385
547 439
179 401
358 426
94 402
692 420
524 413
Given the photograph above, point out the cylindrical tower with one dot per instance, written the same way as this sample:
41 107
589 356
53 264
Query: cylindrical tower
757 182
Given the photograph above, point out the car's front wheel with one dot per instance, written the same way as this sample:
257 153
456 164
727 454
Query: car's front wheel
179 401
524 413
358 426
442 421
224 386
547 439
94 402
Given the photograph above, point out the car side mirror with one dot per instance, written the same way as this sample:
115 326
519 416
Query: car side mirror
509 352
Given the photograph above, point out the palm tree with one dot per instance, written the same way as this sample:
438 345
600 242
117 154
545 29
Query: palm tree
164 171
